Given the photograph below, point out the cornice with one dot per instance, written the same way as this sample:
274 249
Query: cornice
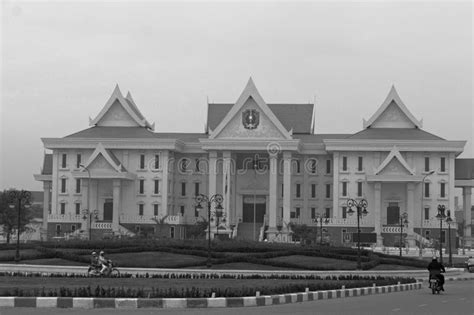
277 145
387 145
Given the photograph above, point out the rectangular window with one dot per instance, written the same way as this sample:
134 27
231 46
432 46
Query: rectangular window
344 163
157 161
183 189
442 190
196 189
78 208
427 213
78 161
292 215
359 189
63 185
328 166
181 210
427 164
297 210
298 190
73 228
282 189
344 212
360 164
313 190
313 166
63 208
313 213
142 186
298 167
328 213
443 164
344 189
142 161
427 190
172 232
155 209
64 161
140 209
427 234
156 189
78 186
328 190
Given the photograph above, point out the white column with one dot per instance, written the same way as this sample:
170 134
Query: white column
116 204
212 176
226 184
86 195
377 209
411 213
467 204
273 193
55 187
47 189
164 182
286 187
336 210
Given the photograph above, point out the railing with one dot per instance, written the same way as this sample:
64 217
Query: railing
149 219
102 225
62 218
393 229
434 224
336 222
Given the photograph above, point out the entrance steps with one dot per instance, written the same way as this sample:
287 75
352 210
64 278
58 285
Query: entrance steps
245 231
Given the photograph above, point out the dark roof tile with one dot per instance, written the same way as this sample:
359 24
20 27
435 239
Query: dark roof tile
394 134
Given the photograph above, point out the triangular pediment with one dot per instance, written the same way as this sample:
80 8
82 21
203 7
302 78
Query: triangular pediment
393 114
394 164
250 117
104 159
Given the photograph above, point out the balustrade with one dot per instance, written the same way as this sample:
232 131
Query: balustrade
149 219
64 218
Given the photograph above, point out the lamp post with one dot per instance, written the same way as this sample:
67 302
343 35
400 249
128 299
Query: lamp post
403 222
361 206
22 196
88 192
321 219
422 210
449 221
441 216
217 199
89 215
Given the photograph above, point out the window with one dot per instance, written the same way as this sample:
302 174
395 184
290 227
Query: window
359 189
63 185
344 212
442 191
197 166
73 228
298 166
344 163
63 208
298 190
58 229
297 210
140 209
156 188
282 189
78 208
427 164
443 164
196 189
183 189
172 232
328 190
295 214
78 160
360 164
64 161
313 190
155 209
427 234
157 161
427 190
142 161
181 210
328 166
78 186
344 189
328 213
142 186
313 166
427 213
313 213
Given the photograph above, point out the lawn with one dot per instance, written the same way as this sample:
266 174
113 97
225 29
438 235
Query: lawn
309 262
155 260
244 266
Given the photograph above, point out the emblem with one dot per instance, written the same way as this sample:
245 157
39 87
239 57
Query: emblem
250 118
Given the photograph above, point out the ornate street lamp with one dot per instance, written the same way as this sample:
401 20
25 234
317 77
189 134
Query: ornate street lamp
321 219
422 210
403 222
18 198
449 221
88 192
361 207
216 199
441 216
90 215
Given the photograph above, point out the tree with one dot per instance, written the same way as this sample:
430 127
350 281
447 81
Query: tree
198 229
160 224
303 233
9 216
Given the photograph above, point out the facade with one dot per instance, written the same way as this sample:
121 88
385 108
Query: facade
266 162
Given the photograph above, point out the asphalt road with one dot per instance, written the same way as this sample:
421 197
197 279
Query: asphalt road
458 299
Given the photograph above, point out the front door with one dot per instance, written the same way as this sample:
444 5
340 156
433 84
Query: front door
108 210
253 205
393 213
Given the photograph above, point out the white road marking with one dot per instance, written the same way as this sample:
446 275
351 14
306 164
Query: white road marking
395 310
421 305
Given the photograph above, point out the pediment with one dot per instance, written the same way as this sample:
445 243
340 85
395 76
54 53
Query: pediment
117 116
394 164
100 163
394 167
104 159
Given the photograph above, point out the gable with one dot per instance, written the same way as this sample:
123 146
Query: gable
117 116
394 163
100 163
394 167
393 117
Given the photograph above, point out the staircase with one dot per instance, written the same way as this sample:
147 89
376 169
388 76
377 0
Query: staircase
123 231
420 239
245 231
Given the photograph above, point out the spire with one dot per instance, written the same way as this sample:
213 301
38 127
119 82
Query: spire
130 98
117 92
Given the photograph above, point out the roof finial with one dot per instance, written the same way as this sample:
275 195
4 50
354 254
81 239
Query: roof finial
116 91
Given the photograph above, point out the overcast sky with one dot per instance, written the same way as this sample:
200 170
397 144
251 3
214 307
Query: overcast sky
60 63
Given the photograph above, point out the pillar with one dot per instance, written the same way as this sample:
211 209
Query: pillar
273 193
411 214
212 174
85 203
467 204
116 204
336 209
286 187
46 201
164 183
377 209
226 174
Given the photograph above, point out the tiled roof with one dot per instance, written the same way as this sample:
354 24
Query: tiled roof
464 169
293 116
319 138
47 165
394 134
113 132
186 137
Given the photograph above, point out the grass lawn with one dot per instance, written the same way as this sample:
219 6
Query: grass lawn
244 266
23 252
155 260
395 267
307 262
52 261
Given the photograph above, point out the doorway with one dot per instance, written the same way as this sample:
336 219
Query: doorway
248 209
108 210
393 213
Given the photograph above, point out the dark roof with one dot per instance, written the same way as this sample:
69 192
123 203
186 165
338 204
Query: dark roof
464 169
113 132
395 134
186 137
293 116
319 138
47 165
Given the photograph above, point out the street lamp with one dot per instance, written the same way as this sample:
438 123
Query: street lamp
88 192
449 221
89 215
403 222
422 210
217 199
441 216
20 197
361 211
321 219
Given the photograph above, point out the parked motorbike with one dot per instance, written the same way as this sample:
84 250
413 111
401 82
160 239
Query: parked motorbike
110 271
470 264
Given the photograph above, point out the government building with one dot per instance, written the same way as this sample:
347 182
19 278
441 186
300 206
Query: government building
120 178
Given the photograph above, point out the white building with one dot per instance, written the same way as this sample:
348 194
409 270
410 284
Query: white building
136 174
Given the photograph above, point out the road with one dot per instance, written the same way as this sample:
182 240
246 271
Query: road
458 299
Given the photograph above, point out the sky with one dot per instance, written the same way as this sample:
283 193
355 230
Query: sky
61 61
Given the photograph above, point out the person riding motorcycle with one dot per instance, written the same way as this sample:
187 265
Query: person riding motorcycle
95 261
435 268
103 261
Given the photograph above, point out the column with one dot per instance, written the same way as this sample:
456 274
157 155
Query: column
286 187
273 193
467 204
47 189
377 208
85 203
212 174
55 187
164 183
116 204
337 211
226 174
411 214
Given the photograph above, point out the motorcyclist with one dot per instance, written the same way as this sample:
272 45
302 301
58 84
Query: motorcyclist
95 261
435 268
103 261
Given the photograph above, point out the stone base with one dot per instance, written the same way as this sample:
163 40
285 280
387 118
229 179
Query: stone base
410 239
282 236
379 241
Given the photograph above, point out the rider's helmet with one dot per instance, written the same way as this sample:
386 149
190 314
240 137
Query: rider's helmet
102 252
435 258
94 254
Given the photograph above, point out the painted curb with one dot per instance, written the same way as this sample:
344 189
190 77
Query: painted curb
248 301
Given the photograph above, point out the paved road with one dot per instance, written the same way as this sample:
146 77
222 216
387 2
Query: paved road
458 299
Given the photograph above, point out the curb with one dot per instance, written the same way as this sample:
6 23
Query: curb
134 303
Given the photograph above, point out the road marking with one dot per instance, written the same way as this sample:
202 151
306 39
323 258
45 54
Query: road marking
444 301
395 310
421 305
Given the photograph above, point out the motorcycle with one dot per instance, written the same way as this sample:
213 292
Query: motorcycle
435 285
110 271
470 264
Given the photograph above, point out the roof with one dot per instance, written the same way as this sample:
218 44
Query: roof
319 138
113 132
47 168
394 134
464 169
292 116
